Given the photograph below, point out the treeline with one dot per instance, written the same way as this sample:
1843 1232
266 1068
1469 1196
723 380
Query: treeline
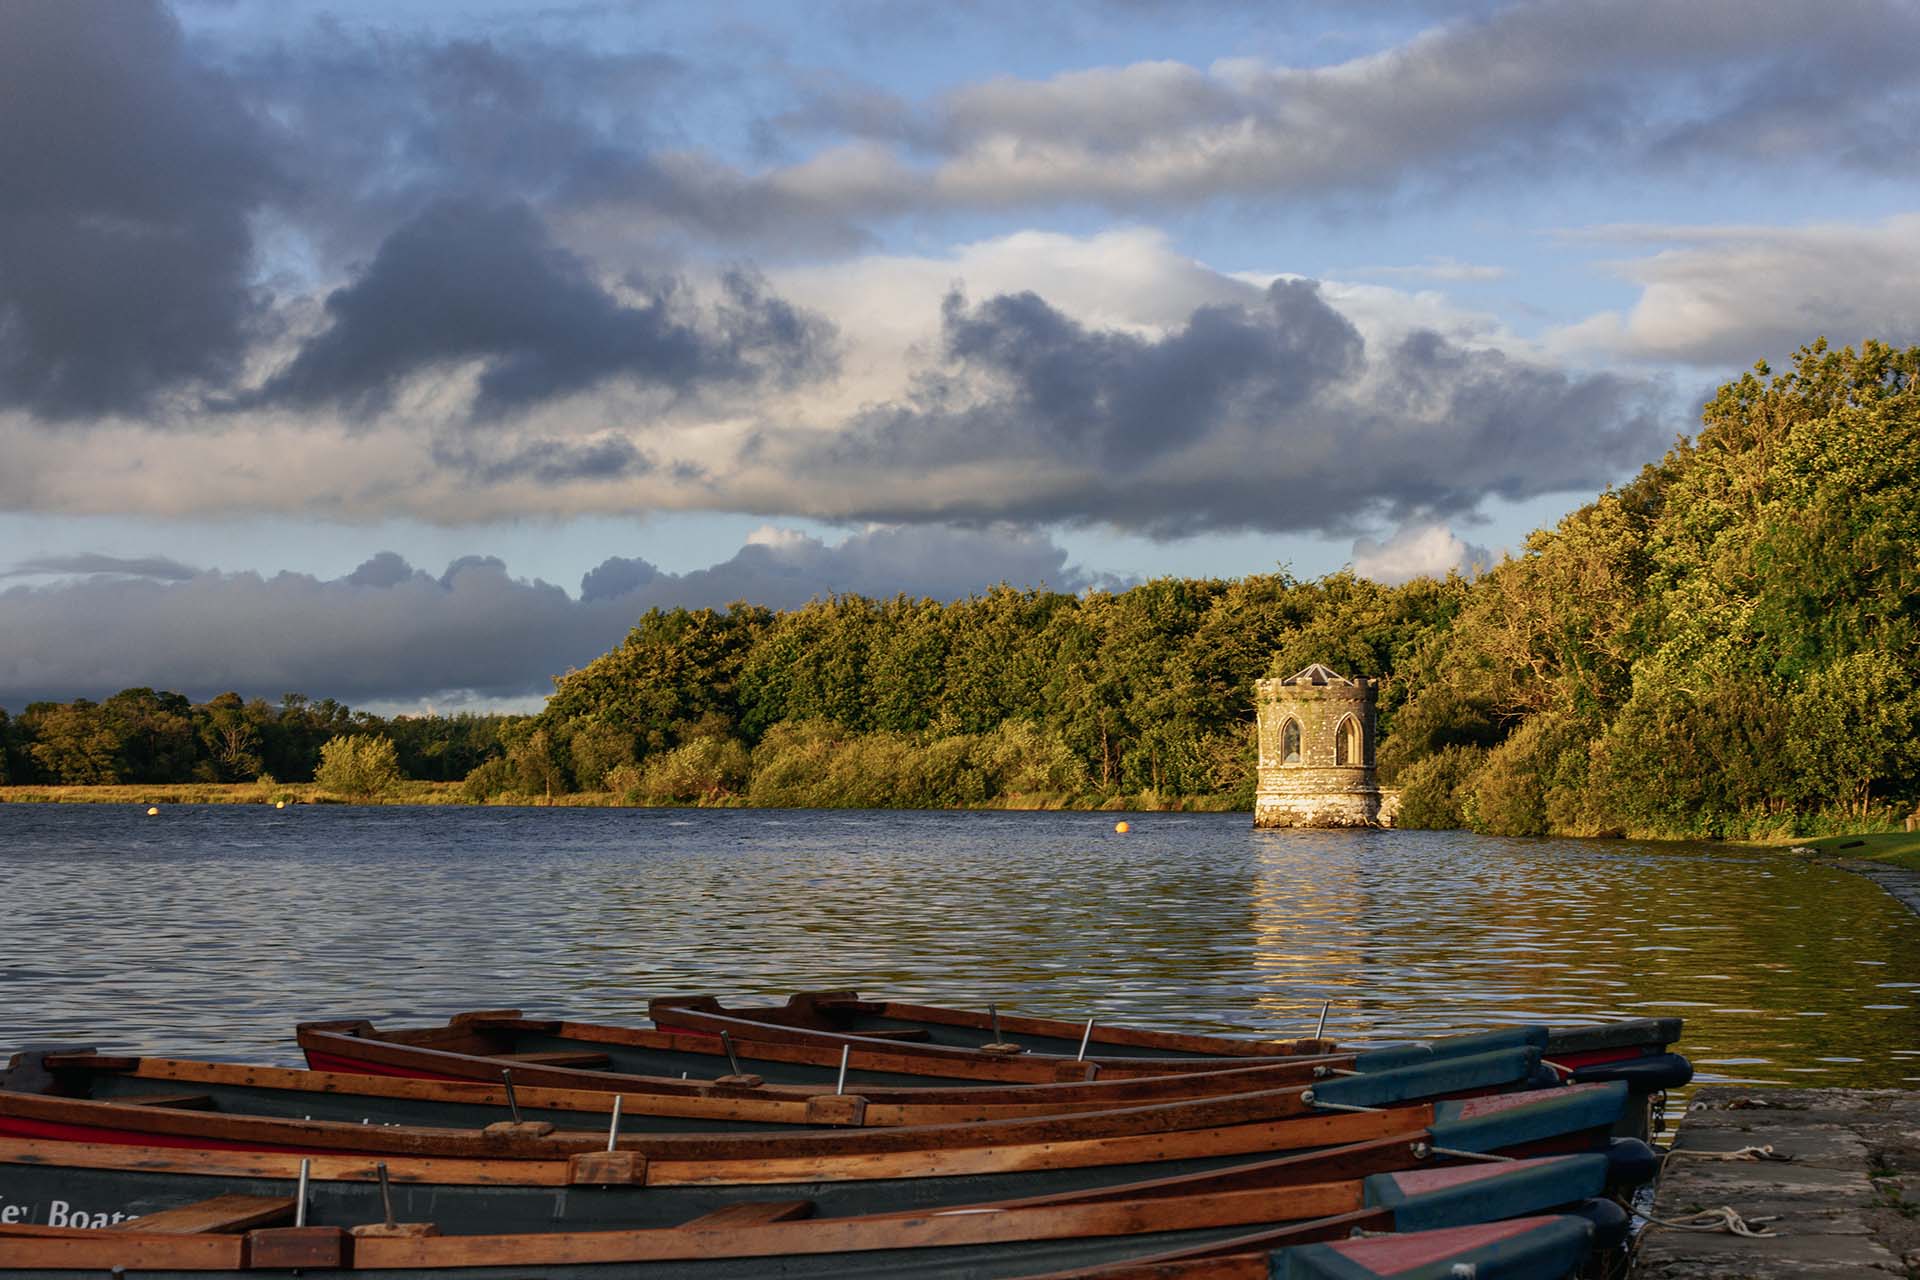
1725 646
144 736
1136 697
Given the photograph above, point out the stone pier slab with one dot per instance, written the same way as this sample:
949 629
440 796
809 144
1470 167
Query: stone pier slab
1845 1202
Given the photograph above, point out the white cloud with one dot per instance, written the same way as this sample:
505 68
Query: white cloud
1728 296
1417 551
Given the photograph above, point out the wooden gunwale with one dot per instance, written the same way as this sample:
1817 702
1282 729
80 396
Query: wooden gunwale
98 1250
936 1229
744 1105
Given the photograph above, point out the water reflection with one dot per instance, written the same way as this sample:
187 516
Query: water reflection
209 931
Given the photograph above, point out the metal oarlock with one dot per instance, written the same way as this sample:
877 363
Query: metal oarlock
300 1196
726 1042
1321 1026
1084 1037
513 1103
386 1192
840 1085
613 1126
993 1012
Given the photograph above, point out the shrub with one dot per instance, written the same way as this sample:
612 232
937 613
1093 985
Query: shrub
488 779
705 769
1430 787
358 765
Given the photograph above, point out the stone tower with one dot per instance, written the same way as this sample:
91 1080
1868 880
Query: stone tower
1316 753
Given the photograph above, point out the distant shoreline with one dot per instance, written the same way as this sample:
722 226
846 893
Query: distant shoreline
290 794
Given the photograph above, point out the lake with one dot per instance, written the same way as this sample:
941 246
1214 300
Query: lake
208 931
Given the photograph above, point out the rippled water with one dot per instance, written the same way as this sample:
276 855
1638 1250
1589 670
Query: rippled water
210 931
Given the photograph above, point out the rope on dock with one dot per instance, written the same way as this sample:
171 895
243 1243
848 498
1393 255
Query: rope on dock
1745 1153
1722 1219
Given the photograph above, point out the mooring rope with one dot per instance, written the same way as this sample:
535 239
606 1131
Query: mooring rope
1722 1219
1744 1153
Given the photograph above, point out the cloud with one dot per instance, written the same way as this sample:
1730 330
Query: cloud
391 122
1272 414
1727 296
1531 88
1417 551
157 567
389 633
1085 380
483 283
130 174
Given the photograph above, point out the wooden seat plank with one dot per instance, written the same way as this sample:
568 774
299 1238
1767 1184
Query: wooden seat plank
751 1214
177 1101
229 1213
559 1058
907 1033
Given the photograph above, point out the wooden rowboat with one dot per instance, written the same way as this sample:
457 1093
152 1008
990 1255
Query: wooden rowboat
248 1108
1103 1226
827 1018
97 1184
565 1054
792 1055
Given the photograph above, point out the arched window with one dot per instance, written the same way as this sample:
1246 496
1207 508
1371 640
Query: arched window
1290 742
1346 742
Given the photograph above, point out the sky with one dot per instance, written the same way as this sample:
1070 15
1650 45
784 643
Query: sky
406 353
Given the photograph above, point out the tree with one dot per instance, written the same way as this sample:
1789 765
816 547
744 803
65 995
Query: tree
1853 728
358 765
72 743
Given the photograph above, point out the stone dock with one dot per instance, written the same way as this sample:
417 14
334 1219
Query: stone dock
1841 1198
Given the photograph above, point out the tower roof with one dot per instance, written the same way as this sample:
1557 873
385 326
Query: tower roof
1316 674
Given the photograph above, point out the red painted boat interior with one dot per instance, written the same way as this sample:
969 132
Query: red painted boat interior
21 1127
1396 1255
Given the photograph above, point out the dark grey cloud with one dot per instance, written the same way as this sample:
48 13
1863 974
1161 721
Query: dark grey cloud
1125 399
1275 416
602 140
470 280
128 173
158 567
390 633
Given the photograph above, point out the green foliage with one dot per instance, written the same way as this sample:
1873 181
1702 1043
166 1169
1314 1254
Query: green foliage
1853 728
536 762
1430 789
705 770
358 765
488 779
597 748
71 743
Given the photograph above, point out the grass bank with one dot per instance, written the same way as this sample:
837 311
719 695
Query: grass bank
450 793
1895 848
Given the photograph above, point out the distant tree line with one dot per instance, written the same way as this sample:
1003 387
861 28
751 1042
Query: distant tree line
1726 646
144 736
